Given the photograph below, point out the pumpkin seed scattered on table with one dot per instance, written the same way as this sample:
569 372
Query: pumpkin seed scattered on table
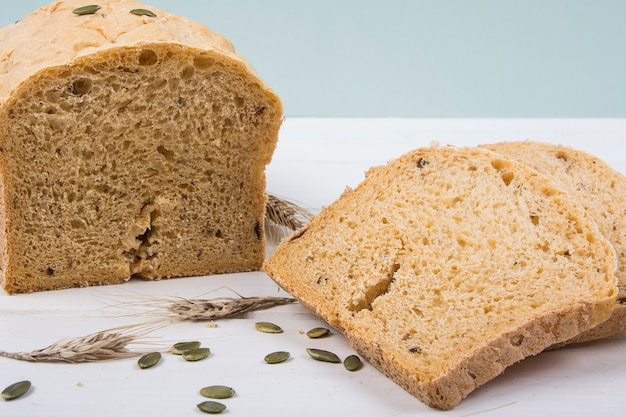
143 12
16 390
323 355
267 327
218 392
196 354
91 9
182 347
318 332
149 360
352 363
277 357
211 407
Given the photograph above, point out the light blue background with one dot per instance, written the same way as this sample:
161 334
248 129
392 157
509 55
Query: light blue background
439 58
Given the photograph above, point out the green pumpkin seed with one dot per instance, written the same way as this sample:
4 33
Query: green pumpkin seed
143 12
318 332
323 355
16 390
182 347
149 360
218 392
196 354
352 363
276 357
91 9
211 407
267 327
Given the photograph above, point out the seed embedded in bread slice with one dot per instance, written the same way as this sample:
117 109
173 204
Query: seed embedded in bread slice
447 265
602 192
130 145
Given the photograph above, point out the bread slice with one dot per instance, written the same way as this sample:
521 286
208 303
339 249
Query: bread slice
600 189
130 145
447 265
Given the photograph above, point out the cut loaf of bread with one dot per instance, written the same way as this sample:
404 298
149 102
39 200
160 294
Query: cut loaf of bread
602 192
130 145
447 265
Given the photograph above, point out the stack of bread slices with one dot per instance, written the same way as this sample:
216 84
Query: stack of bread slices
447 265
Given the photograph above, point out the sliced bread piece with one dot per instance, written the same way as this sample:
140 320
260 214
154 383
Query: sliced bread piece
447 265
600 189
132 142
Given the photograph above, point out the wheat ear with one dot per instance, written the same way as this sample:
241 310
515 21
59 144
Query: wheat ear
283 217
101 346
220 308
204 309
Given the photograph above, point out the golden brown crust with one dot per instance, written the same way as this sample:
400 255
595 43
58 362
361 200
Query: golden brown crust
53 35
447 265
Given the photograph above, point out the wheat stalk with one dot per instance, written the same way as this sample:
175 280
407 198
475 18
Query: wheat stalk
101 346
283 217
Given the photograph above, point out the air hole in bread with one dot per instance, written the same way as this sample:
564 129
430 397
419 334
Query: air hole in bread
53 96
366 298
202 62
140 259
565 253
500 164
148 57
517 340
534 219
562 156
507 177
187 72
417 311
82 86
591 238
169 155
78 223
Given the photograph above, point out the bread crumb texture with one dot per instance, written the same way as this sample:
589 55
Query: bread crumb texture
129 146
449 264
602 192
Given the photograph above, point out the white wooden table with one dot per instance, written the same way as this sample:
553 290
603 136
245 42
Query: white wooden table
315 160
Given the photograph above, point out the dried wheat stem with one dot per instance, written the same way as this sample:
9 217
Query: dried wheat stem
105 345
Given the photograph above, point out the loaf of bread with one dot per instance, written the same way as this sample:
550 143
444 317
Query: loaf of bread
447 265
132 143
602 192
